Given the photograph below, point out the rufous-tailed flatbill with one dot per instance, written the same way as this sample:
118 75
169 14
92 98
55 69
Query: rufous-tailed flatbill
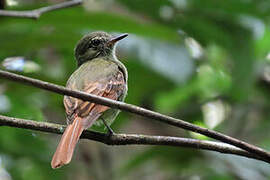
99 73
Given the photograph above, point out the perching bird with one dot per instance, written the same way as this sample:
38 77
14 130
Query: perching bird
100 73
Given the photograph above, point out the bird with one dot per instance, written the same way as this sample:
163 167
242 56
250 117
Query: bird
100 73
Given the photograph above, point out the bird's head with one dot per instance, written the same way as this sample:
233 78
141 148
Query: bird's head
96 44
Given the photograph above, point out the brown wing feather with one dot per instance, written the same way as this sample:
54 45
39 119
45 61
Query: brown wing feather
82 114
111 87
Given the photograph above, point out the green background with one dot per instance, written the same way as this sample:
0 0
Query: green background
226 87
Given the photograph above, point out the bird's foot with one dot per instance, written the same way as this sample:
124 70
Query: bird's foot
110 132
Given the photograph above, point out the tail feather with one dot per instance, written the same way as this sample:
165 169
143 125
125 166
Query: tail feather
65 149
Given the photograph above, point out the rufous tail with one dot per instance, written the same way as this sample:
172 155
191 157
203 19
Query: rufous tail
65 148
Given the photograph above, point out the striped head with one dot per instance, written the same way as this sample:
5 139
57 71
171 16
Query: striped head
96 44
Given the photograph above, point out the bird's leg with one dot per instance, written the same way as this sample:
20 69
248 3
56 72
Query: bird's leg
110 131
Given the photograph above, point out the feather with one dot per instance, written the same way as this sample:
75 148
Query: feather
65 149
82 114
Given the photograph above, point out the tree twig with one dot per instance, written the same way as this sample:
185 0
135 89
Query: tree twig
137 110
36 13
130 139
2 4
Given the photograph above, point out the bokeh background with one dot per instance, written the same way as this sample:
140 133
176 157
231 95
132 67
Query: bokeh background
204 61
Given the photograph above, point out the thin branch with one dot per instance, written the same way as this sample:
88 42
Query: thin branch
137 110
130 139
2 4
36 13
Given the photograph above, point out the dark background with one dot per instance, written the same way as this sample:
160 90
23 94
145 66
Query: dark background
204 61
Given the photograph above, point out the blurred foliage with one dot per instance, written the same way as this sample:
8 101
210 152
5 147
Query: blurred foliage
232 69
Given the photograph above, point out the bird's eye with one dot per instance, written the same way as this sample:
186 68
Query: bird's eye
95 42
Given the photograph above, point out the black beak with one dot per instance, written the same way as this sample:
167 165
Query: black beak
113 40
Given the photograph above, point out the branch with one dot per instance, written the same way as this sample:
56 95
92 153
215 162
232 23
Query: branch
35 14
137 110
2 4
130 139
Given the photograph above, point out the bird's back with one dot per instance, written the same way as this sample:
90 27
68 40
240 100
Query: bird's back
92 71
101 77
